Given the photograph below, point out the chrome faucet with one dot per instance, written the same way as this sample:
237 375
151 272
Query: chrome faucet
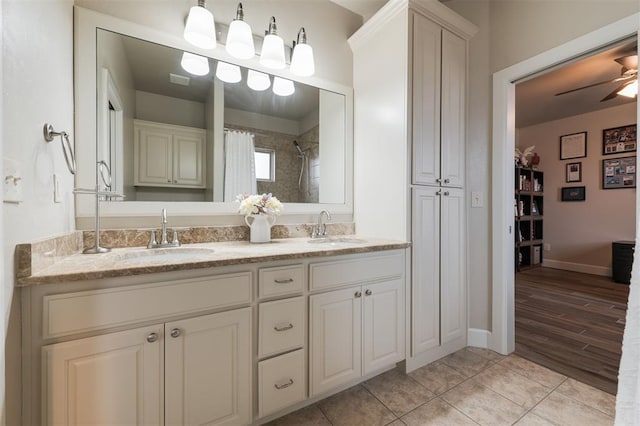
320 230
164 240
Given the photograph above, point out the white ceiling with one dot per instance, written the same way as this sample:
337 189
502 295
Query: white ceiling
536 101
364 8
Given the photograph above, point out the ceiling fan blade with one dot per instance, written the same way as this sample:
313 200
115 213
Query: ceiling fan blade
615 92
629 62
594 84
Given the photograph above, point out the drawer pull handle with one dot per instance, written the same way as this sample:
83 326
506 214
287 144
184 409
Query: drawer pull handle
152 337
286 385
283 328
287 281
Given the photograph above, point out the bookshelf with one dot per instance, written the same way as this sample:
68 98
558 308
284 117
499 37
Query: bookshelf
528 205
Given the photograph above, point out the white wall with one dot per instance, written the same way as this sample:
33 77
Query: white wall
517 30
3 284
37 82
580 233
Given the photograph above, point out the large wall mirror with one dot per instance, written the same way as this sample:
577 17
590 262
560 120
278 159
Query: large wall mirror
191 143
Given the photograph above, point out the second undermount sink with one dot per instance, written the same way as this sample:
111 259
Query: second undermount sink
335 241
174 254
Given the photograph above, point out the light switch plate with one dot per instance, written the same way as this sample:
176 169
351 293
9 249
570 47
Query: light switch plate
476 199
12 181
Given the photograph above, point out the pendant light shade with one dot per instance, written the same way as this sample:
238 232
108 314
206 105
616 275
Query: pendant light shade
630 90
194 64
228 73
240 38
302 62
283 87
200 29
272 55
258 81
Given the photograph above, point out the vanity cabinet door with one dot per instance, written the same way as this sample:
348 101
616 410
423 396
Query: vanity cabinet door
335 348
112 379
208 369
154 153
188 159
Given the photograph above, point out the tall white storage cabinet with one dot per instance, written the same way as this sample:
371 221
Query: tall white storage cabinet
410 74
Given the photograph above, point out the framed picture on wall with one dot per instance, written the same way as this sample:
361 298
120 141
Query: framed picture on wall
573 146
574 193
574 172
619 139
619 173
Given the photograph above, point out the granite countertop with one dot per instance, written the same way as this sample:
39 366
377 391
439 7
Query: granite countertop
129 261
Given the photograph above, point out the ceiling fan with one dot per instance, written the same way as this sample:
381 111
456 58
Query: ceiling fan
628 75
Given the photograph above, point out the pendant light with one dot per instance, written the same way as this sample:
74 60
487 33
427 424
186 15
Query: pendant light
302 62
283 87
228 73
258 81
240 38
272 55
200 29
195 64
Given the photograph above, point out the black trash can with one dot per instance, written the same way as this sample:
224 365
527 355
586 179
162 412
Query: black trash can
621 260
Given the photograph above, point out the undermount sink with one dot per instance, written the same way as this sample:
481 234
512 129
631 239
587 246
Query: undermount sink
334 241
174 254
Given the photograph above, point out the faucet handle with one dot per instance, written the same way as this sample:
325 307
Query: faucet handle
152 239
174 238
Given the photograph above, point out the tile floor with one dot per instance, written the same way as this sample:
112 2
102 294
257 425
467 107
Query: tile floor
470 387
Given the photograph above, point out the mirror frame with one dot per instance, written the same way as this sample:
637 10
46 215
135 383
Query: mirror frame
145 213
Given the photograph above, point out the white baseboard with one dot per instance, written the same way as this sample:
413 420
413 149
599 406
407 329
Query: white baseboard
478 338
577 267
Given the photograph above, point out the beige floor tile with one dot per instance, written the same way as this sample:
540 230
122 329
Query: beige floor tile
466 362
397 423
483 405
532 371
589 395
486 353
436 413
531 419
565 411
307 416
398 392
437 377
524 392
355 406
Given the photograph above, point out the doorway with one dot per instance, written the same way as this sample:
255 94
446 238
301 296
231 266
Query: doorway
503 317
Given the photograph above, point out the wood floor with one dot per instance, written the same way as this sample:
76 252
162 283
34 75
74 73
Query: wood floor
571 323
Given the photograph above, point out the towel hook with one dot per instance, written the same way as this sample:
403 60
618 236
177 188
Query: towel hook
67 149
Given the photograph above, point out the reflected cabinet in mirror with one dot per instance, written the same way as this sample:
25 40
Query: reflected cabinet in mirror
174 133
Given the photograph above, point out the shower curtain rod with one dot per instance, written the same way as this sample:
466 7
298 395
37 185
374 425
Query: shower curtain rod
228 129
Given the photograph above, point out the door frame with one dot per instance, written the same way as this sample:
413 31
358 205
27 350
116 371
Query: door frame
504 82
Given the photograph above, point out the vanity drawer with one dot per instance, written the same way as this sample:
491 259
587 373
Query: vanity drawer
357 270
280 281
71 313
281 382
281 326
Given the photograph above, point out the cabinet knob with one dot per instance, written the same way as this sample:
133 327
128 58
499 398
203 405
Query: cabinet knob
175 332
168 180
284 386
446 181
439 193
175 181
152 337
358 294
446 193
368 292
438 180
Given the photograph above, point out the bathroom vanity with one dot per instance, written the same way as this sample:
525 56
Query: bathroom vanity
219 333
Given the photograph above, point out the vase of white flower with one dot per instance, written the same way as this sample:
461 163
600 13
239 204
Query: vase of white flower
260 214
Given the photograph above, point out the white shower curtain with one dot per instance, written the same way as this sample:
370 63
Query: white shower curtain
239 164
628 398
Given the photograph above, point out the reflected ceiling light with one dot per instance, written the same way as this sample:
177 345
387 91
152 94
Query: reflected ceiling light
302 62
195 64
630 90
258 81
283 87
272 55
240 38
200 29
228 73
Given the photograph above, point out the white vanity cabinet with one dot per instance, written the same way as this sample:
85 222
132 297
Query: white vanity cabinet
169 156
356 330
192 371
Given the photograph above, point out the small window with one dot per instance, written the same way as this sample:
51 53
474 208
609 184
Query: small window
265 164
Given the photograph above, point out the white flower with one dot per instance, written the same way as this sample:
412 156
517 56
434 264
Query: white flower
259 204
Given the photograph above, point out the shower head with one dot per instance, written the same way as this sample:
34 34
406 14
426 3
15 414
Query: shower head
297 145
